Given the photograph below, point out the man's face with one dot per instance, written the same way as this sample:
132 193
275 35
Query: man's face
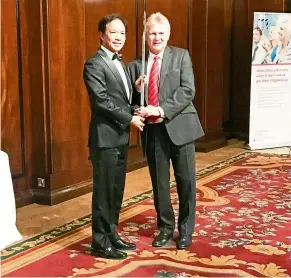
256 36
114 36
157 37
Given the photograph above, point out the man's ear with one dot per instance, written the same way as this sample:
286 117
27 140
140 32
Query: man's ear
101 36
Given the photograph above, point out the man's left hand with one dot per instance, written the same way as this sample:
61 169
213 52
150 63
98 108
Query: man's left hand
152 111
140 112
147 111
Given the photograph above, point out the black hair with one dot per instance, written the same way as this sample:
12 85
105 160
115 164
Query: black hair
107 19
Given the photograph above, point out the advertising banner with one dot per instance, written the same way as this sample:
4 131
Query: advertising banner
270 102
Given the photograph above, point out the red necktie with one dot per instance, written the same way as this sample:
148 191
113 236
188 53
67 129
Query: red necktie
153 88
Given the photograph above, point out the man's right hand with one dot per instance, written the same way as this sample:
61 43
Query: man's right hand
137 121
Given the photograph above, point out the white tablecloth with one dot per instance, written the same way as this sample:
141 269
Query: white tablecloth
8 229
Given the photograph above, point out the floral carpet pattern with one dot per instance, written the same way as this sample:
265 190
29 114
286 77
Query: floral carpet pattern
243 229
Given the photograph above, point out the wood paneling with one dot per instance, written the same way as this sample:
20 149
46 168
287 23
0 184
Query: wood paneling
69 115
95 10
177 12
45 108
215 79
12 137
13 103
228 8
241 60
72 36
266 6
33 91
198 45
210 60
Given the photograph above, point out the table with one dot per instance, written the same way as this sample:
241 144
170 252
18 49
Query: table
8 231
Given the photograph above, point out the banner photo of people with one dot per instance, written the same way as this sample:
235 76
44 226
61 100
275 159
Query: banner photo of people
270 101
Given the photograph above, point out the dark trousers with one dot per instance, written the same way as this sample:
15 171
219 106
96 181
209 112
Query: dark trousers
159 151
109 172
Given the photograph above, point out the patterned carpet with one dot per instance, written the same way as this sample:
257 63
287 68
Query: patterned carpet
243 229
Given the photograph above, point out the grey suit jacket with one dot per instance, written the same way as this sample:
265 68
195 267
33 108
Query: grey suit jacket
176 93
110 105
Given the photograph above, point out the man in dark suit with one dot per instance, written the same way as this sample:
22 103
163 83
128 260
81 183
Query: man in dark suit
171 128
110 94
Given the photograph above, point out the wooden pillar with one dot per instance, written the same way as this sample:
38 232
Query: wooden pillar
210 54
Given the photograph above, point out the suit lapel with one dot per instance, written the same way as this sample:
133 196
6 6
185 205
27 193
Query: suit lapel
114 70
165 65
128 82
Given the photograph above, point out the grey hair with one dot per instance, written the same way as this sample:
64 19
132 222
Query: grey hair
158 18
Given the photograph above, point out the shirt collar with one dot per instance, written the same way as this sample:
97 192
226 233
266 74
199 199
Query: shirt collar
160 55
108 52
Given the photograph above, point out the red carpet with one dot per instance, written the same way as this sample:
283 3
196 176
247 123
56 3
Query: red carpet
243 228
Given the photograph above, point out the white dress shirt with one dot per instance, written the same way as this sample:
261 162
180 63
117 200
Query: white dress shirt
119 67
151 61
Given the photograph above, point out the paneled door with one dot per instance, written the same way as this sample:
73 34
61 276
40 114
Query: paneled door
12 102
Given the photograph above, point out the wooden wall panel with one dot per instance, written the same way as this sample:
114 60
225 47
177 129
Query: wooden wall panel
45 114
215 66
95 10
198 45
228 8
11 134
68 104
33 90
69 37
241 59
15 133
210 42
266 6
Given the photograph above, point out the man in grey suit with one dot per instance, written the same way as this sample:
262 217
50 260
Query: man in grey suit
110 94
172 126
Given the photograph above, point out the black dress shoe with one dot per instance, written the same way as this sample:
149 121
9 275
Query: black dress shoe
108 253
161 239
183 242
123 245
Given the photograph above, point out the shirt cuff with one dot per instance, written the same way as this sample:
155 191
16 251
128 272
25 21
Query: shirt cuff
161 111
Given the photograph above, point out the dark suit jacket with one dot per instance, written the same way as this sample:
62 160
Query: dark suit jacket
176 93
110 106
